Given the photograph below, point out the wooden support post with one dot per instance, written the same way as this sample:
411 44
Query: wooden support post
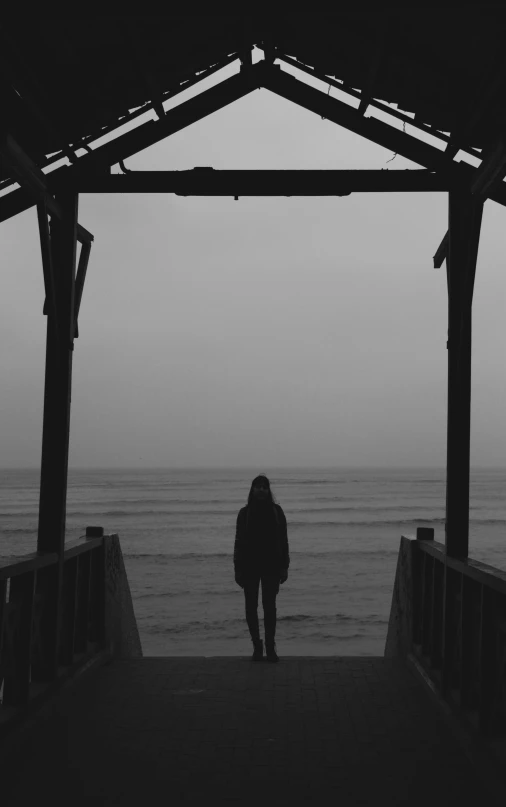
465 215
55 434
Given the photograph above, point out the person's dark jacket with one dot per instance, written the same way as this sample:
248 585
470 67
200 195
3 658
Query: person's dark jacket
246 547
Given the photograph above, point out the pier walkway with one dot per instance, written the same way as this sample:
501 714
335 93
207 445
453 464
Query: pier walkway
224 730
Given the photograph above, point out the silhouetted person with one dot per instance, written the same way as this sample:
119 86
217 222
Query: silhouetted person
261 554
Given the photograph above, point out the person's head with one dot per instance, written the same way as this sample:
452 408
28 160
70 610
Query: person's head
260 490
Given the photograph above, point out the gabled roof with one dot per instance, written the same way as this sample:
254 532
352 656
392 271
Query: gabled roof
67 81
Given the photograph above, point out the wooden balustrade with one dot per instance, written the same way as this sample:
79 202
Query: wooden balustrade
459 631
29 591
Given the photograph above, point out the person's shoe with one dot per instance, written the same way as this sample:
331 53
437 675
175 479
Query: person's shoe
258 653
270 653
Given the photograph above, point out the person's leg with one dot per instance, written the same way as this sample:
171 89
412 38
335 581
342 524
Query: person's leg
270 589
251 586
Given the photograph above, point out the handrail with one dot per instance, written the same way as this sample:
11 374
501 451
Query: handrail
482 573
450 614
21 564
51 615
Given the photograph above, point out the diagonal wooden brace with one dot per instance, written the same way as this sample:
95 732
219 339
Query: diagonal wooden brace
80 278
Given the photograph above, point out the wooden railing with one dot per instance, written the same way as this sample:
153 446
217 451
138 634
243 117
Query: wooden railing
458 631
36 647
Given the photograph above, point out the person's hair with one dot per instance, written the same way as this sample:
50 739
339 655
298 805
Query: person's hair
262 478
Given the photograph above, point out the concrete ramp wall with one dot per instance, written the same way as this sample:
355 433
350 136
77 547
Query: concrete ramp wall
121 631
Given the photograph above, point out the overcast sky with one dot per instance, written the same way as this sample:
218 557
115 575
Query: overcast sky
259 332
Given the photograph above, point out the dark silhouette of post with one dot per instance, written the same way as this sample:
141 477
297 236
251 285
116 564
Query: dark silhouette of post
55 433
465 215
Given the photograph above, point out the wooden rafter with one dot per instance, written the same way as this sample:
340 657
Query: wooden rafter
25 82
374 68
377 131
184 85
375 102
146 135
142 56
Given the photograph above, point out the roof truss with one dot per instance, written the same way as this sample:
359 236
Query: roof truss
253 76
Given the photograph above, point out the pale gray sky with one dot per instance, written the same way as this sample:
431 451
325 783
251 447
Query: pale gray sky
262 332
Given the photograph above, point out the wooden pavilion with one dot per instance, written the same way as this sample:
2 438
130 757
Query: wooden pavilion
72 90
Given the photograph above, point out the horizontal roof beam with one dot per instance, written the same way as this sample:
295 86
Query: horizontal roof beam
211 182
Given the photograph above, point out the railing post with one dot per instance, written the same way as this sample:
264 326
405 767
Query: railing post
69 597
436 654
83 603
466 658
451 627
488 656
17 639
97 594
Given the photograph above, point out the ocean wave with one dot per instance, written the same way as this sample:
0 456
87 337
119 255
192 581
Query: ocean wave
177 555
166 556
324 620
362 523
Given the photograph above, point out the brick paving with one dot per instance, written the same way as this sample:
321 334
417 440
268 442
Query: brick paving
309 730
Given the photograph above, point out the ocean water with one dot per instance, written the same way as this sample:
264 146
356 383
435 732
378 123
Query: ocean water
177 530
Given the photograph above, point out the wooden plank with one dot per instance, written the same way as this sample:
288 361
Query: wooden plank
467 700
3 605
436 651
14 566
428 566
488 660
77 547
69 599
482 573
17 640
417 577
97 595
465 215
82 603
45 614
451 620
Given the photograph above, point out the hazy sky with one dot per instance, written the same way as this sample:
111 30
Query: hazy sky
262 332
